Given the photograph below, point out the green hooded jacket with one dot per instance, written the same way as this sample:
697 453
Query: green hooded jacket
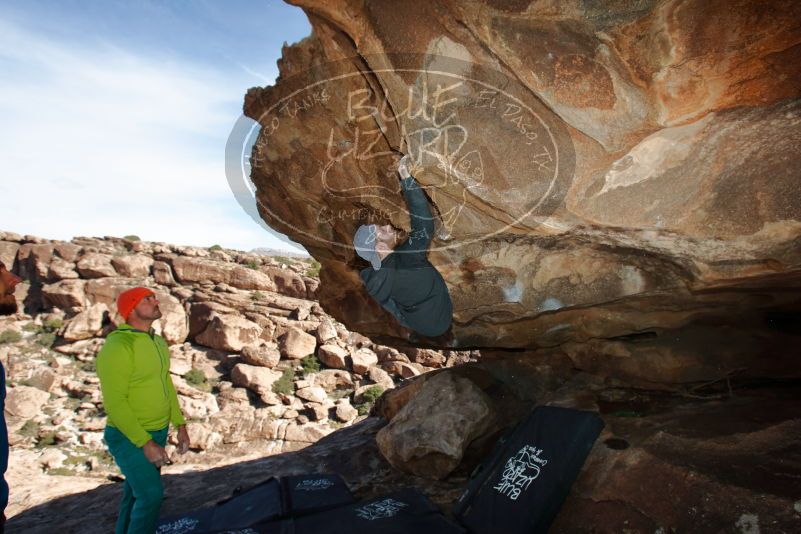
138 394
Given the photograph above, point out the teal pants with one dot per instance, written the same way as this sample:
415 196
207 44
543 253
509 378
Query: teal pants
143 491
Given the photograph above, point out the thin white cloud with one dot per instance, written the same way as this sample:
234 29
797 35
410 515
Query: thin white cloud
101 141
264 78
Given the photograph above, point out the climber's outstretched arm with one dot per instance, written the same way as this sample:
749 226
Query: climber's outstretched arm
422 223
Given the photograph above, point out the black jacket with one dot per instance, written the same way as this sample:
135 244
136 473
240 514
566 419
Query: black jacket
407 285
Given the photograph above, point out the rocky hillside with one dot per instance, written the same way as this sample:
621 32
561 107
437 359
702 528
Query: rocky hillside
259 367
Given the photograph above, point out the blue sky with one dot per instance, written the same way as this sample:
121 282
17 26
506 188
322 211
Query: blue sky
115 115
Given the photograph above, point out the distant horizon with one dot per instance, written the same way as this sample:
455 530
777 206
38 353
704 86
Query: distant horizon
140 238
116 115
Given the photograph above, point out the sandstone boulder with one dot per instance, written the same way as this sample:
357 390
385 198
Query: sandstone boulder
132 265
326 330
333 356
331 379
400 369
345 412
363 360
94 265
380 377
180 366
257 379
8 253
43 378
201 437
162 274
52 459
65 294
229 332
205 270
69 252
25 401
427 357
201 314
429 435
61 270
312 394
261 355
173 325
316 411
86 324
198 408
33 261
296 344
287 282
306 433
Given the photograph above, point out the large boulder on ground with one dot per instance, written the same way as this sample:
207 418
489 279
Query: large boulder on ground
296 344
333 356
326 330
173 325
363 360
345 412
429 435
8 253
198 406
33 261
201 437
260 380
308 433
43 378
162 274
201 314
132 265
94 265
106 290
287 282
65 294
86 324
261 355
61 270
400 369
205 270
25 401
331 379
229 332
69 252
427 357
312 394
380 377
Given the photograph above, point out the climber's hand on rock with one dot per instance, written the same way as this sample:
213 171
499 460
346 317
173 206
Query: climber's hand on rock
403 167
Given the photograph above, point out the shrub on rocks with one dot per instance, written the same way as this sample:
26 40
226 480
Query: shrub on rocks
197 378
10 336
368 398
310 364
286 384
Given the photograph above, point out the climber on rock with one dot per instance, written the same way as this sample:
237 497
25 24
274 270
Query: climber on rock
400 277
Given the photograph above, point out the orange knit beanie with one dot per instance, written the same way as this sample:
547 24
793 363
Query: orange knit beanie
128 300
